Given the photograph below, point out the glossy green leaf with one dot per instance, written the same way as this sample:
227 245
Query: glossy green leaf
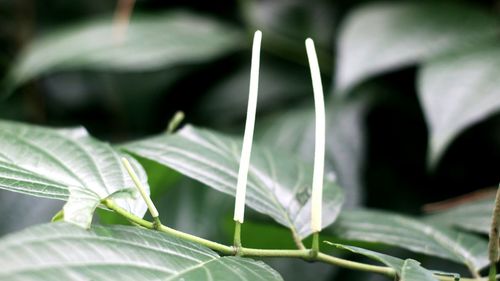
473 216
66 164
61 251
152 42
407 270
458 91
414 235
278 185
383 36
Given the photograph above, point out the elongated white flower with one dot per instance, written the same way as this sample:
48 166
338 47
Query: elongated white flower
239 208
319 148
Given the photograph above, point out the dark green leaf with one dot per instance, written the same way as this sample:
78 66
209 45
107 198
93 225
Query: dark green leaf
458 91
383 36
152 42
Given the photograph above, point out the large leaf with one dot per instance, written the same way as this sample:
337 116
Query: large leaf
407 270
458 91
474 216
383 36
65 252
294 131
151 42
278 185
65 164
411 234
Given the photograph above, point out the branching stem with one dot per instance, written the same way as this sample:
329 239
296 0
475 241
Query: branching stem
251 252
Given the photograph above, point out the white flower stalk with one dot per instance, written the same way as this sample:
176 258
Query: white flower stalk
319 147
239 207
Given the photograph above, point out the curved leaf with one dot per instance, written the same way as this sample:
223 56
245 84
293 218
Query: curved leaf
407 270
151 42
458 91
62 251
411 234
384 36
278 186
65 164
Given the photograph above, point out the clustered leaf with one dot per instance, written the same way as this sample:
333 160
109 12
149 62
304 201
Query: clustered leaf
66 164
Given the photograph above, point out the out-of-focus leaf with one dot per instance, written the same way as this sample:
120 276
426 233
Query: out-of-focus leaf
287 23
152 42
278 185
407 270
414 235
458 91
383 36
279 85
473 216
294 132
117 253
65 164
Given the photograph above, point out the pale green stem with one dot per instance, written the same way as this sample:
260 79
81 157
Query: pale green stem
237 235
175 122
251 252
151 206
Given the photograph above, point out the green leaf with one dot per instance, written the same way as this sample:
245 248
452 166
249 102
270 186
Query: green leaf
383 36
152 42
414 235
278 185
61 251
407 270
473 216
65 164
293 131
458 91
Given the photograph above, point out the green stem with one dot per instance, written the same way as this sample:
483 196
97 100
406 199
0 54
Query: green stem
315 245
237 235
251 252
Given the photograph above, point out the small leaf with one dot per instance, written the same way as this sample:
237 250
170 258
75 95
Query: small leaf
414 235
61 251
152 42
278 185
407 270
458 91
383 36
65 164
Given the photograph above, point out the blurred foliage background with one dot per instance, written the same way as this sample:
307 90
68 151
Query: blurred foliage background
413 92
